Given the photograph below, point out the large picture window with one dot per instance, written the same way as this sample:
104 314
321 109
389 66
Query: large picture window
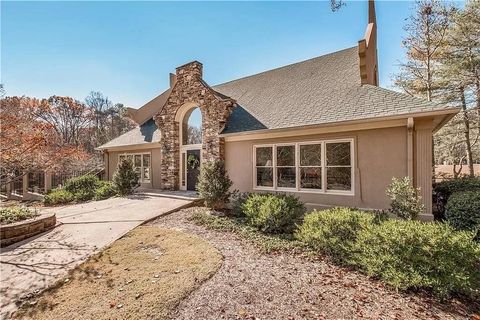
323 166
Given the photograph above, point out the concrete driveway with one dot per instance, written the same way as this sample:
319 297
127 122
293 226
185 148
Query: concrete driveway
35 264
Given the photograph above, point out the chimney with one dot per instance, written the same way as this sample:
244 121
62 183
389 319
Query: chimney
189 71
173 79
367 49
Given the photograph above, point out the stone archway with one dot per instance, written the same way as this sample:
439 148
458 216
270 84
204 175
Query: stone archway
189 90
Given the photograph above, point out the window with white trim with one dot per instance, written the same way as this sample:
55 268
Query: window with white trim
320 166
338 166
264 166
285 166
141 163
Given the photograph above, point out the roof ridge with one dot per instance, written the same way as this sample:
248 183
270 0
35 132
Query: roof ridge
285 66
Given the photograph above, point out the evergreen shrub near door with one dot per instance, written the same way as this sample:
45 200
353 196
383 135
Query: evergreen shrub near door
214 185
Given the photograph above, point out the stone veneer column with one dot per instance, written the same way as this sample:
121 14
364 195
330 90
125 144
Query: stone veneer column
190 88
423 164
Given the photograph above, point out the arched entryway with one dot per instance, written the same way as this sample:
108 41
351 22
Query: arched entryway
190 146
189 91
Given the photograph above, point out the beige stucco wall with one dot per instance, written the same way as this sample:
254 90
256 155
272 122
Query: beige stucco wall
380 154
111 157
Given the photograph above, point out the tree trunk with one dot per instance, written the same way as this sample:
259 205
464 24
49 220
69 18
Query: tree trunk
466 123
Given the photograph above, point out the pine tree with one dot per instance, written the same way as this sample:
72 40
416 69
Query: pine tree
125 178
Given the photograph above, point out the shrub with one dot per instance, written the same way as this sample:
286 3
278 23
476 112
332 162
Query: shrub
463 210
238 199
414 255
334 231
443 190
273 213
125 178
405 201
58 196
105 190
82 185
84 195
214 184
15 213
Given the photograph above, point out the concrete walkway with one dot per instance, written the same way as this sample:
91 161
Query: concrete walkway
35 264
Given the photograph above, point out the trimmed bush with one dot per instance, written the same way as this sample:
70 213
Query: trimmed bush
417 255
15 213
405 201
58 196
82 185
125 178
443 190
214 185
334 231
238 199
463 210
273 213
105 190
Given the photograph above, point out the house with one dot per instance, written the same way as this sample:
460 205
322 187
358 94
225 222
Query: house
321 129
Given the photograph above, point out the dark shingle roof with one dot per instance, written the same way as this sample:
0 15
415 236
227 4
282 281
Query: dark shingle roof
143 134
321 90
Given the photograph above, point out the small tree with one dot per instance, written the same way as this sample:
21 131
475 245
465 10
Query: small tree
214 184
125 177
405 201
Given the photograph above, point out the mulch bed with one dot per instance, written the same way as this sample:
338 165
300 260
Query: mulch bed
252 285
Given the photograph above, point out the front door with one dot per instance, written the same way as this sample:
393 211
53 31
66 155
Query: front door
193 169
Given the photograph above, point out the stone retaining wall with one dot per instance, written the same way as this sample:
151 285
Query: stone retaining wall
22 230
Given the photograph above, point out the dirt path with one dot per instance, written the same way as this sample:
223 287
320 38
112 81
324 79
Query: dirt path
251 285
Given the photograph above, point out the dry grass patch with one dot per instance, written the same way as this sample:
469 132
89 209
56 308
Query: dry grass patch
144 275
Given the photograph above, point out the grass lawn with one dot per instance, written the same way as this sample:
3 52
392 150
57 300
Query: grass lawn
143 275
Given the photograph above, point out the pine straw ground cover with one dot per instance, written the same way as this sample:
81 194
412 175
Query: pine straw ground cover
265 277
143 275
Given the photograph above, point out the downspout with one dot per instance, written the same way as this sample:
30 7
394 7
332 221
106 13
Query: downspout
107 166
410 146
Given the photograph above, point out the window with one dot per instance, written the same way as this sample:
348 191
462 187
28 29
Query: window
286 168
324 166
141 163
339 169
264 166
311 166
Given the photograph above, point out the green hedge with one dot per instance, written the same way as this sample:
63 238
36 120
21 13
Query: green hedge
105 190
273 213
463 210
334 231
82 184
406 254
418 255
58 196
443 190
80 189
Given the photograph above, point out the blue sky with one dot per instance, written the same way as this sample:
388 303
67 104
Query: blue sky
127 49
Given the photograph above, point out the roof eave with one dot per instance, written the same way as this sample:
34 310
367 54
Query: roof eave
448 112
